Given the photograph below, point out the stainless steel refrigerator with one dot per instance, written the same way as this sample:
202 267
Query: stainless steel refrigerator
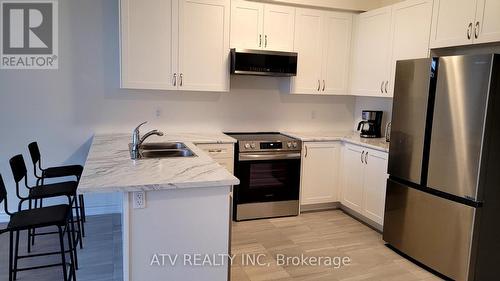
443 193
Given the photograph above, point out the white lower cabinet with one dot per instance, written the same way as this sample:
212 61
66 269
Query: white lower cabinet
364 181
222 153
374 185
352 177
320 172
350 174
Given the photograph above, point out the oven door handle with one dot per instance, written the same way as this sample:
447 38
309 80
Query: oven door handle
275 156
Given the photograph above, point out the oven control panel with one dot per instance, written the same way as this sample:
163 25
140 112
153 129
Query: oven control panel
291 145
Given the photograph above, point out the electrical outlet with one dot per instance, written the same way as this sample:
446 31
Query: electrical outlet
158 112
139 200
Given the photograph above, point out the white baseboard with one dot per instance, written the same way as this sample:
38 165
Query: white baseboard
89 211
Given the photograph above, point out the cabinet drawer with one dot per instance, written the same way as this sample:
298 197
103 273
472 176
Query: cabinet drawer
218 151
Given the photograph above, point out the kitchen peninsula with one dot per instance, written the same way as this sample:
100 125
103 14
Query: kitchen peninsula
185 208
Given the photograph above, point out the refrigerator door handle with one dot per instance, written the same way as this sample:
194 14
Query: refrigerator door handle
362 154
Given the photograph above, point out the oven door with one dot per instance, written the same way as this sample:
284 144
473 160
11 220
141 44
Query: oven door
268 177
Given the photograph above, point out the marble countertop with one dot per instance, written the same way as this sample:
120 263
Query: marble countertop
350 137
109 168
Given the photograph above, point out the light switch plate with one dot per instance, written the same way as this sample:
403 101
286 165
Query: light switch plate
139 200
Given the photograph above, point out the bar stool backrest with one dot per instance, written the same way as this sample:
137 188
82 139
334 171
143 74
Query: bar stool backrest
3 196
18 167
3 191
35 155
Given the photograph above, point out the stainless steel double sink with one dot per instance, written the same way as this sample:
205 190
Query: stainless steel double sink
161 150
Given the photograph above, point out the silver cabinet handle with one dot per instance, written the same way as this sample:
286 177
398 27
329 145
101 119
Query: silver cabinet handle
175 79
469 30
362 154
476 30
215 150
260 40
319 85
382 87
324 85
386 83
305 155
180 79
366 158
265 41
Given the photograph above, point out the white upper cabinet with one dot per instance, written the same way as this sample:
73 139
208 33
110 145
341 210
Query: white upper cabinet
453 23
464 22
148 49
308 44
262 26
336 52
279 24
411 28
319 177
487 25
372 51
204 45
384 36
247 20
175 44
323 43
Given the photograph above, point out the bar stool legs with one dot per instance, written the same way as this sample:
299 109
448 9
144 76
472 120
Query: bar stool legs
11 253
14 255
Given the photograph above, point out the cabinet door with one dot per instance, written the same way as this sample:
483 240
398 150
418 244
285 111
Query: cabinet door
452 23
227 163
204 45
375 181
247 20
308 44
148 55
487 25
411 28
336 53
279 24
353 173
319 178
372 49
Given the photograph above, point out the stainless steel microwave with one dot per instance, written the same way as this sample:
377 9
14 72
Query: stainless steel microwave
263 63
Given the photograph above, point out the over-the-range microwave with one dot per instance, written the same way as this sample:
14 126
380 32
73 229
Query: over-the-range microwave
263 63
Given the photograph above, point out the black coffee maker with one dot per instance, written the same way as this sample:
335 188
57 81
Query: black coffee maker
371 125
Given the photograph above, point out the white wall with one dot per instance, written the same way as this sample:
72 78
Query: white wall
61 109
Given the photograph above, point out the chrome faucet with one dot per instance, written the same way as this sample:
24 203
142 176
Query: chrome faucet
137 140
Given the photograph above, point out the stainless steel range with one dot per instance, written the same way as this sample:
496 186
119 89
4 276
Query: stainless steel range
268 166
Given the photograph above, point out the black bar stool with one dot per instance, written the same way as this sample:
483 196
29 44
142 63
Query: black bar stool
57 172
59 216
67 189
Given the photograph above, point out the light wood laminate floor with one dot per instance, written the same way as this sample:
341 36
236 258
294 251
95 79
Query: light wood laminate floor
317 234
329 233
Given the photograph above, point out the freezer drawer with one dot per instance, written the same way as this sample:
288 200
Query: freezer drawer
435 231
